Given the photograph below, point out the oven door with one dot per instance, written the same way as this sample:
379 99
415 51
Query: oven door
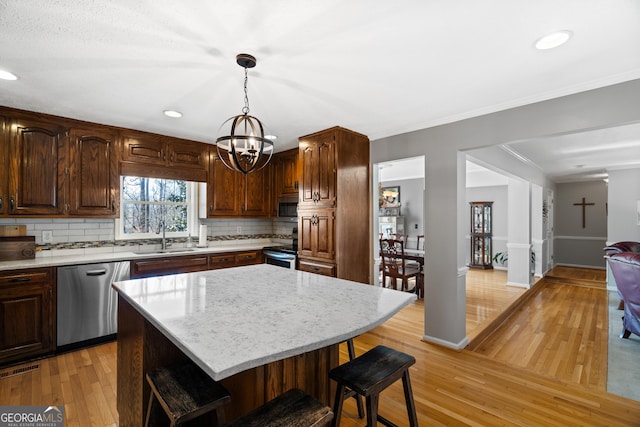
280 259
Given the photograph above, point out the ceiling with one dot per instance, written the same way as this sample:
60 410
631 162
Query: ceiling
378 67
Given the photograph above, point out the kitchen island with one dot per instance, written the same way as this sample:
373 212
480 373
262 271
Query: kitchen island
259 330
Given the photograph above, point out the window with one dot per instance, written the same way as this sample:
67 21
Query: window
147 203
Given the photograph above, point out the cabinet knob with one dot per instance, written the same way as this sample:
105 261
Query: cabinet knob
0 203
12 204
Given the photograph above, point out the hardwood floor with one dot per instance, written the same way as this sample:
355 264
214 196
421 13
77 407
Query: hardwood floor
543 367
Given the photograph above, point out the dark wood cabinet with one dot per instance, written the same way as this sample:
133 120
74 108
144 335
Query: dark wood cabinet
93 173
316 234
235 259
37 167
232 194
318 163
285 173
27 313
157 156
4 163
481 235
333 220
168 265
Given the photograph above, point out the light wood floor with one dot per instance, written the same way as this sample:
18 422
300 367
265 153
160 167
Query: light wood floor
537 370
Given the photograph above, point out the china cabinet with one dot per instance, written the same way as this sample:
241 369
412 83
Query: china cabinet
481 235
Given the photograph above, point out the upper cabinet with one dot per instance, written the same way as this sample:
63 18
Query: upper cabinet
93 173
157 156
285 173
232 194
317 157
54 168
37 167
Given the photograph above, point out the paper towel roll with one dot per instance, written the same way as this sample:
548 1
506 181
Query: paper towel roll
202 236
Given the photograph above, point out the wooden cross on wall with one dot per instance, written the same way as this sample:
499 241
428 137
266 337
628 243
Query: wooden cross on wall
584 204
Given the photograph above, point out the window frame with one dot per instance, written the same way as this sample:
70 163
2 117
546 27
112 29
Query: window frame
192 214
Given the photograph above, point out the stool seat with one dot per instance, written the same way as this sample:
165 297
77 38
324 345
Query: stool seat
294 408
368 375
185 392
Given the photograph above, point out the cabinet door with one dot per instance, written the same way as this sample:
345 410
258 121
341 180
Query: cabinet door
316 234
317 155
93 173
223 189
37 168
141 148
286 173
26 314
4 166
256 194
187 154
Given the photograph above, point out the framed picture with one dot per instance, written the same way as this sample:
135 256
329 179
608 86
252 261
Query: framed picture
390 197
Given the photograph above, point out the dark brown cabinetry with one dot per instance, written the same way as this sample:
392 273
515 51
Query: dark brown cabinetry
157 156
285 173
190 263
333 224
27 313
168 265
37 167
4 146
57 167
481 252
93 173
232 194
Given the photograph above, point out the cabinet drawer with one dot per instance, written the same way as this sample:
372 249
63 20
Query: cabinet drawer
222 261
27 276
173 265
248 258
317 267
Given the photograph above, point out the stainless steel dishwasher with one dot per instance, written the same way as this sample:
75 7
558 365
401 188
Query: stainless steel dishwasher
87 304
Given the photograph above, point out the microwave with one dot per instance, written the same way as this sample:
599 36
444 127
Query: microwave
288 207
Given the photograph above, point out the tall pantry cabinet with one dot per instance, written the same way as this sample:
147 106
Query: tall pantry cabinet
334 204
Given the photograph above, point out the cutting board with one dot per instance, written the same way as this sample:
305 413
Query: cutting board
17 248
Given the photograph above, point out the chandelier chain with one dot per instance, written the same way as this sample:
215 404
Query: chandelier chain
245 109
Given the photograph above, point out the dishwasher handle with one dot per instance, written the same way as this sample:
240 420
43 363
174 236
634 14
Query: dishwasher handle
99 272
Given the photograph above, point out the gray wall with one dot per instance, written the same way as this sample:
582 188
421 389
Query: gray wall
411 200
624 197
575 245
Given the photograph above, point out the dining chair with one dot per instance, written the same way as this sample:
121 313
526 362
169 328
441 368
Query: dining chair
394 265
419 238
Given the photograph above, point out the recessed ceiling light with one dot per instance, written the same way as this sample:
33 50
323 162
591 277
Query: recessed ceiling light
553 40
6 75
172 113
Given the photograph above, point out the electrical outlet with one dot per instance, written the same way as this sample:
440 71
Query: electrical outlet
47 236
239 230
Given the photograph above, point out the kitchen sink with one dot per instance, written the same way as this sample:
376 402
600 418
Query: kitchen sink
163 251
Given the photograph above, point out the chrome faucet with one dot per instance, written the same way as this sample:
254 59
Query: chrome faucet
162 226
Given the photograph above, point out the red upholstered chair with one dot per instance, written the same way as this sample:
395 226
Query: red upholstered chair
625 267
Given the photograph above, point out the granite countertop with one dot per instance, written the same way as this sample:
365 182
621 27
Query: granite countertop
235 319
94 255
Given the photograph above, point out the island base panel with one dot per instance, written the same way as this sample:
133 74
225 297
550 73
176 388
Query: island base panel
141 348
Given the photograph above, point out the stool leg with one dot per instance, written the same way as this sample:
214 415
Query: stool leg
149 408
337 405
372 410
352 355
408 397
220 415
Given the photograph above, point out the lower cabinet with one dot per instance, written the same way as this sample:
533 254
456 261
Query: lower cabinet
317 267
191 263
27 313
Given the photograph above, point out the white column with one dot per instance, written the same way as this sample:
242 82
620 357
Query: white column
519 232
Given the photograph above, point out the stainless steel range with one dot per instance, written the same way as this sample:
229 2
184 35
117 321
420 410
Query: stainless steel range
283 255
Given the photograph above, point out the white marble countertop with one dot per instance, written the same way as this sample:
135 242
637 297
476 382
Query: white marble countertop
234 319
119 253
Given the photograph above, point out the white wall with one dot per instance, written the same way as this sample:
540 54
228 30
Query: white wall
623 198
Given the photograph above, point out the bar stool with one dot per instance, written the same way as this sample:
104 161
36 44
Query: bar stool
368 375
291 409
350 393
185 392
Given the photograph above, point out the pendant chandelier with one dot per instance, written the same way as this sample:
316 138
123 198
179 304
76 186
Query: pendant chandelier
242 145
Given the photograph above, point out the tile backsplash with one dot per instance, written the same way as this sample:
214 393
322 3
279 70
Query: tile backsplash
100 232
